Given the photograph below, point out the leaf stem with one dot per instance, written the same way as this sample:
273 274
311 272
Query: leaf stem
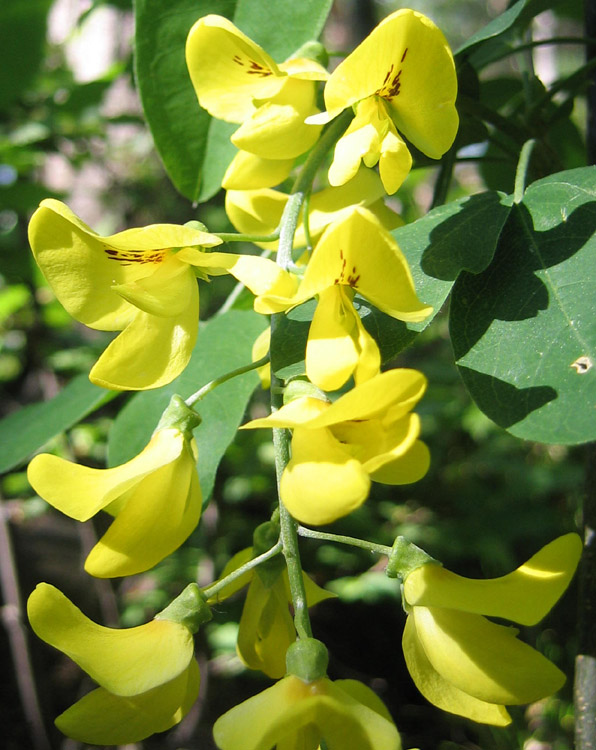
240 237
380 549
204 390
210 591
521 172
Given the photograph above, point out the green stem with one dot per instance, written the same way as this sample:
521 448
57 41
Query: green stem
281 439
240 237
577 77
521 172
215 588
380 549
202 392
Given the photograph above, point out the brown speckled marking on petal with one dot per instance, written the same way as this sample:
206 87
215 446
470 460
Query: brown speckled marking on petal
128 257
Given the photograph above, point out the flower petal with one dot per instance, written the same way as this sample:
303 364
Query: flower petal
524 596
228 70
406 469
332 348
439 691
80 491
358 251
322 482
297 412
167 292
395 161
125 662
101 718
236 561
277 129
160 514
266 628
150 352
484 659
251 172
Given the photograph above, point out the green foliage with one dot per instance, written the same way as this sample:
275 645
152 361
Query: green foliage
196 149
523 330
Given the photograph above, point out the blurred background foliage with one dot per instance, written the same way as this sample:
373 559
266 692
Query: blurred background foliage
71 127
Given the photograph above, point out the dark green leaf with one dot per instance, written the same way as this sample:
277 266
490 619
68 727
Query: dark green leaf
223 344
25 431
195 149
524 330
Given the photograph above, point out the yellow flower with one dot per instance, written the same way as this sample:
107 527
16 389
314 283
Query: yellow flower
155 499
260 211
295 713
467 665
355 254
259 349
368 433
138 282
236 81
147 675
266 627
401 77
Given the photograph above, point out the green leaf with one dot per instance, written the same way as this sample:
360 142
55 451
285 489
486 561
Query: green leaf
224 344
458 236
524 330
195 149
22 42
25 431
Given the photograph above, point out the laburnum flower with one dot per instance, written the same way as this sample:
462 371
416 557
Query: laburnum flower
266 628
155 499
368 433
237 81
400 78
142 282
147 675
259 211
467 665
302 712
355 255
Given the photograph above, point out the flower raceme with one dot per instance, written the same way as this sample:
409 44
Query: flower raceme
465 664
355 255
237 81
155 499
142 282
147 675
400 78
368 433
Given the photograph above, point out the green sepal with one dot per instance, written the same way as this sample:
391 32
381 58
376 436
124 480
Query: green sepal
189 608
307 659
177 414
300 387
313 50
198 225
406 557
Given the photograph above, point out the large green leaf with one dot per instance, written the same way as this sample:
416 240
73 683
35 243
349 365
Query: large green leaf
195 149
223 344
524 330
25 431
458 236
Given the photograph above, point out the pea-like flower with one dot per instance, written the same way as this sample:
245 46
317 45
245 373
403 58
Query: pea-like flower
467 665
142 282
295 713
355 255
147 675
155 499
368 433
266 628
260 211
400 78
237 81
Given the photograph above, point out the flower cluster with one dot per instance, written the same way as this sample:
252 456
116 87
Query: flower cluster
351 422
